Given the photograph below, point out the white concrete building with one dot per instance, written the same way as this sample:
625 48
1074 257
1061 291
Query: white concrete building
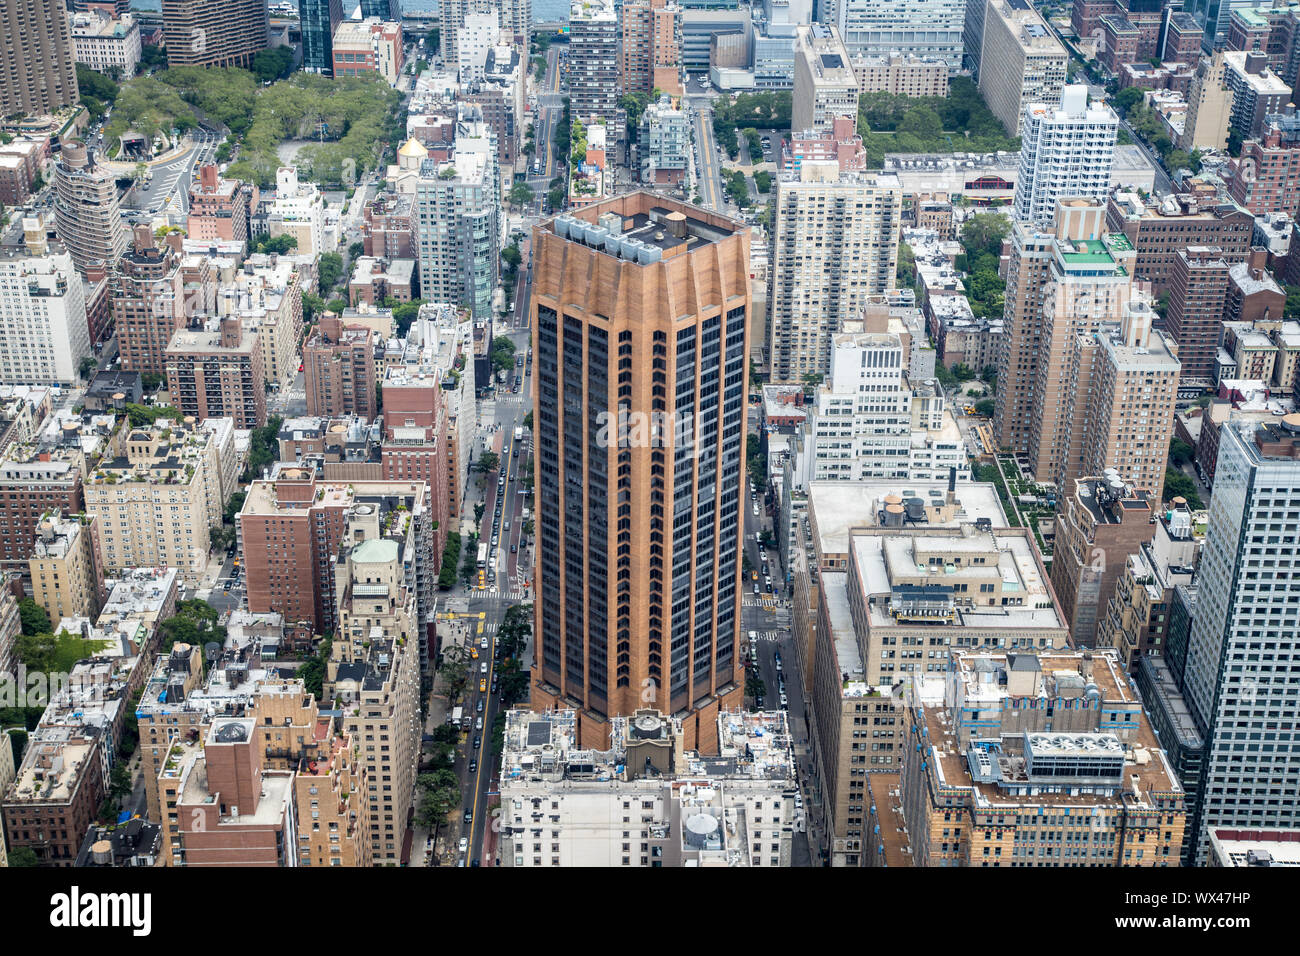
1066 152
645 801
870 422
43 330
473 41
103 43
834 244
825 86
925 28
298 210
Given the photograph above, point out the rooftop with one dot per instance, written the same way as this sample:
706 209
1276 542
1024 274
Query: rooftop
838 506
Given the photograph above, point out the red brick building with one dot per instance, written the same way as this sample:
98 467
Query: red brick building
1266 177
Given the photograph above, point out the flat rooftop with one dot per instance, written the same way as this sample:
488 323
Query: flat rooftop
1143 757
880 557
838 506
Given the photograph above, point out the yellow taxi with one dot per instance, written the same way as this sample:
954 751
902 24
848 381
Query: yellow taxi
482 686
473 652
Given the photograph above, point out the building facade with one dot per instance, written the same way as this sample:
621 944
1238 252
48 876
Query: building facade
611 620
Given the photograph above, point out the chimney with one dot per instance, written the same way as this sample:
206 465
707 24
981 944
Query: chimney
208 176
143 236
1258 260
231 333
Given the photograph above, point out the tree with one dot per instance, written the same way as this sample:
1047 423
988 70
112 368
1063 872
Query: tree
520 194
35 620
23 856
120 783
763 181
336 306
272 63
330 270
312 672
555 197
312 306
141 416
1179 484
488 461
1125 100
512 257
356 249
985 231
1180 453
528 421
985 407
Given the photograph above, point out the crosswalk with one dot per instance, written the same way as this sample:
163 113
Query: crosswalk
770 603
514 595
769 635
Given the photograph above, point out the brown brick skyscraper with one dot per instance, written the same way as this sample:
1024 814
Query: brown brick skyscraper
214 32
641 306
36 71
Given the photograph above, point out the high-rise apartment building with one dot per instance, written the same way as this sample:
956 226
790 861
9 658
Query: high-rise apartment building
1129 420
214 32
1198 294
641 308
593 58
665 143
299 211
1102 523
106 43
149 301
66 568
1244 630
825 86
1066 151
291 529
1021 62
86 214
159 500
458 206
972 36
36 60
1209 106
217 372
645 762
319 19
339 360
834 244
1257 92
1087 282
1160 229
1266 178
367 47
652 46
43 331
926 28
266 298
219 208
869 421
374 678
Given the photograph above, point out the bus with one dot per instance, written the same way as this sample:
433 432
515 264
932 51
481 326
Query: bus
519 434
482 555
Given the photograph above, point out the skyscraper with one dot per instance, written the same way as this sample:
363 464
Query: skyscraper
1198 292
593 52
652 46
1021 62
318 19
825 86
834 243
36 72
640 317
458 203
86 214
214 32
927 28
384 9
1065 151
1238 677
